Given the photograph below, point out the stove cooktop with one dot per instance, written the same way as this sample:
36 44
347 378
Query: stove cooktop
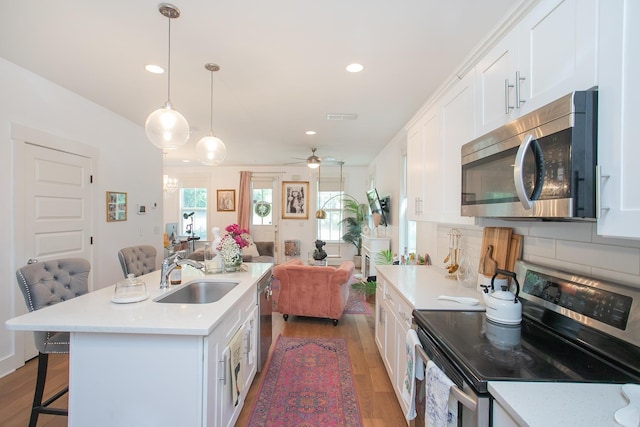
486 351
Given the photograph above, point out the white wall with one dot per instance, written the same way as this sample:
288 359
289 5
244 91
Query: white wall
126 162
228 177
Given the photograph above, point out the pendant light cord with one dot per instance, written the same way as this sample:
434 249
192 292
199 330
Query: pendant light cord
169 65
211 121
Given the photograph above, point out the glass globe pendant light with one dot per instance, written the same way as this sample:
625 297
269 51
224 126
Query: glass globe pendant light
210 150
166 128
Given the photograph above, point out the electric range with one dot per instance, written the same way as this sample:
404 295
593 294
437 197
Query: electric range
574 328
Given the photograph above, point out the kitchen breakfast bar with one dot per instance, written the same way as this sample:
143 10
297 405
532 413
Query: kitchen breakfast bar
150 363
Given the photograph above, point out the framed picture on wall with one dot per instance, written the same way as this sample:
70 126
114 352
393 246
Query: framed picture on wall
226 200
295 200
116 206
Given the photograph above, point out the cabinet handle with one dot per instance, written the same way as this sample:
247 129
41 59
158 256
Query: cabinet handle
224 369
381 315
507 107
600 211
519 81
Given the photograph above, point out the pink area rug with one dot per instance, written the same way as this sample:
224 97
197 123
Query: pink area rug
308 383
356 304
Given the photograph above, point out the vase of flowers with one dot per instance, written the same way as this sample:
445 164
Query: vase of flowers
231 244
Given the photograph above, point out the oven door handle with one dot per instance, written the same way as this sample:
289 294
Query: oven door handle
518 171
467 401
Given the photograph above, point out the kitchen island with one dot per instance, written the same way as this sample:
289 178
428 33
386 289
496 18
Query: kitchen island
157 364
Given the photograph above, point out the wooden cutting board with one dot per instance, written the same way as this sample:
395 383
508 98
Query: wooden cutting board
500 239
515 251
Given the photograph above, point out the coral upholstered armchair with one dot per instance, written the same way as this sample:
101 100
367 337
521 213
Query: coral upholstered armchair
305 290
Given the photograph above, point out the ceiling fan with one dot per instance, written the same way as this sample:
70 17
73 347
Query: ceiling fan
314 161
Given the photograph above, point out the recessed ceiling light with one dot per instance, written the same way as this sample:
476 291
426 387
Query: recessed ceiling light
355 68
155 69
186 161
310 132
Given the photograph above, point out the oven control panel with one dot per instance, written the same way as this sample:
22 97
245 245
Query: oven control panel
604 306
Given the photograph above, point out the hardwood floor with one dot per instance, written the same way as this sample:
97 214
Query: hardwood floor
16 393
378 403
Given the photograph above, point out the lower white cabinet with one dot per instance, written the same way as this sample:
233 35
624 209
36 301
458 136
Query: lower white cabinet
230 385
393 320
501 417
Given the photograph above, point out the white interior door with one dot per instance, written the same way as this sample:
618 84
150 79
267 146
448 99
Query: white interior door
57 204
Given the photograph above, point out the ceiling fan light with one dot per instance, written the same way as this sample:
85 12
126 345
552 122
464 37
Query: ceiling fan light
211 151
313 162
166 128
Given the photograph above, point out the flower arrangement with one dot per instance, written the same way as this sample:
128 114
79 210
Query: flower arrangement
231 244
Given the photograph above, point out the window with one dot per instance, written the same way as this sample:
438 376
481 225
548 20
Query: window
193 212
262 205
330 229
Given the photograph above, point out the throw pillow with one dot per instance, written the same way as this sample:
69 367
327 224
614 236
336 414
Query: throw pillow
251 250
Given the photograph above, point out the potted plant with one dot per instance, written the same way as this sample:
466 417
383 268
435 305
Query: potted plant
356 216
384 257
366 288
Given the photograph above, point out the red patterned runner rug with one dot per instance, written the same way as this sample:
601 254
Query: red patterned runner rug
308 383
356 304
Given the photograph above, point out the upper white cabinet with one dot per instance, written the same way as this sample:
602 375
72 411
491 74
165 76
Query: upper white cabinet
548 54
433 155
458 128
418 160
618 124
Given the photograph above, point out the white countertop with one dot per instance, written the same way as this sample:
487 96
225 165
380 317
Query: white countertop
421 285
559 404
94 312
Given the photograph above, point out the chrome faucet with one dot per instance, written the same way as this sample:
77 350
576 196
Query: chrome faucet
168 267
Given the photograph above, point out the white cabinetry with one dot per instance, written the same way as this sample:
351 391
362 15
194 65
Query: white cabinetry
418 160
501 417
458 128
618 124
548 54
433 155
370 247
240 320
393 320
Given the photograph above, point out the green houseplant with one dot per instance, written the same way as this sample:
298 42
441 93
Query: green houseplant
355 218
368 287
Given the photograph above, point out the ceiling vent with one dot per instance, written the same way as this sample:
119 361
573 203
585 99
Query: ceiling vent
338 116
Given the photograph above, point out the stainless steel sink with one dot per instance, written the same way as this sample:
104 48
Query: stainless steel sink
198 292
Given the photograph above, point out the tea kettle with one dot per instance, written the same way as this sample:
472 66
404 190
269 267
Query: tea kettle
502 305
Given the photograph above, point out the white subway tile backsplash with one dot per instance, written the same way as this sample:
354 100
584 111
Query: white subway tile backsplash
538 246
569 246
575 231
630 243
615 258
561 265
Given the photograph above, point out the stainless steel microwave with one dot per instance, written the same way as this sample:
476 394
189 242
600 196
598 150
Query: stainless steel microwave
541 165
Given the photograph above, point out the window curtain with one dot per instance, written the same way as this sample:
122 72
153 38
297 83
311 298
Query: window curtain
244 200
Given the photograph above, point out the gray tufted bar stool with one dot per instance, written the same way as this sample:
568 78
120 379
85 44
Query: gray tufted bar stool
137 260
43 284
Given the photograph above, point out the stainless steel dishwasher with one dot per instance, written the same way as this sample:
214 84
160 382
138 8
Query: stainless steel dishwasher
265 310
